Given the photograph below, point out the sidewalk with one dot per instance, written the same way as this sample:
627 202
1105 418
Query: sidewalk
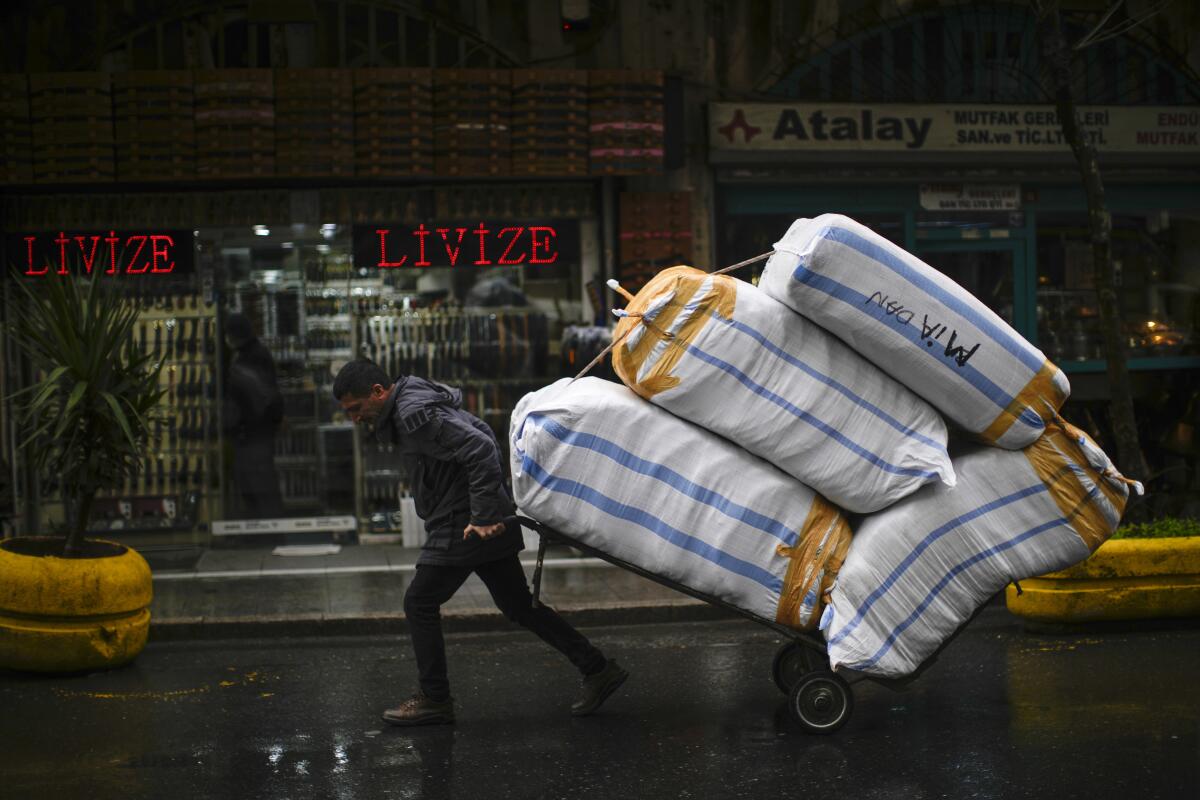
360 590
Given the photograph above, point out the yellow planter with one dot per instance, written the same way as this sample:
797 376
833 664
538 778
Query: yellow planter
72 614
1124 579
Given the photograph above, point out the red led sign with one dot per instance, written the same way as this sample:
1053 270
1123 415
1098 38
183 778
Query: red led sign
107 253
472 245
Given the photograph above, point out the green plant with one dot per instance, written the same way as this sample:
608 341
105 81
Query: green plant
86 417
1163 528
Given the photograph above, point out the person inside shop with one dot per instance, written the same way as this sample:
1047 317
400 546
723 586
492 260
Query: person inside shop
455 470
252 415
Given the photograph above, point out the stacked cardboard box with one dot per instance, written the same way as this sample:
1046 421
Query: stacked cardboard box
314 122
655 232
471 122
549 122
16 138
393 122
235 123
625 122
72 126
154 126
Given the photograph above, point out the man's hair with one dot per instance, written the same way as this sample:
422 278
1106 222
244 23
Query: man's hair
356 378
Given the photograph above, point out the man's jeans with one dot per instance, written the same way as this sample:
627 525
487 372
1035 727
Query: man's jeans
433 585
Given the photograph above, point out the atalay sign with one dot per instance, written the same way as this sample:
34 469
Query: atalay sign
830 127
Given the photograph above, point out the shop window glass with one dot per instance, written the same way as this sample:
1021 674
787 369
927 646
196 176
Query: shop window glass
935 58
447 53
416 42
237 44
872 69
357 38
387 37
493 332
1158 286
968 64
902 71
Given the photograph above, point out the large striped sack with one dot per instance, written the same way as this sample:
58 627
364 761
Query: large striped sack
596 462
722 354
918 571
918 326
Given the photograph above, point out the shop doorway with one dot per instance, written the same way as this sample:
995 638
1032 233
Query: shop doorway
990 270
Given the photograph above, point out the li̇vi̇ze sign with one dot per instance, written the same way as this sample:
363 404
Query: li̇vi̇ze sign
475 244
149 253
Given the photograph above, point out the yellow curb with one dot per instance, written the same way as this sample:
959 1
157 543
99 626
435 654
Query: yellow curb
1124 579
72 614
1121 558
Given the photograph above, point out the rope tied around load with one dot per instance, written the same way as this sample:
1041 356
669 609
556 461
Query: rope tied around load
620 312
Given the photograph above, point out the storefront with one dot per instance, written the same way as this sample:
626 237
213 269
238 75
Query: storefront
477 285
990 196
454 223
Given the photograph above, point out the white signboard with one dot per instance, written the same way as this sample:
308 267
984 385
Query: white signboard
236 527
970 196
762 127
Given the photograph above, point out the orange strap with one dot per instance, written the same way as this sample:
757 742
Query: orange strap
815 559
1040 388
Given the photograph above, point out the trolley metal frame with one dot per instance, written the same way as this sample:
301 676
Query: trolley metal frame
820 700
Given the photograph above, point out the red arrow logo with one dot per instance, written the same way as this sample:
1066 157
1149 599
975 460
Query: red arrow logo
739 121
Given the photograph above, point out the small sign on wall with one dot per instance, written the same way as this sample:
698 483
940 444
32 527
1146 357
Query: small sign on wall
970 196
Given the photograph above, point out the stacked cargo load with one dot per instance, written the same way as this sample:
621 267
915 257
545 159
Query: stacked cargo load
393 122
154 125
917 325
722 354
594 461
919 569
789 400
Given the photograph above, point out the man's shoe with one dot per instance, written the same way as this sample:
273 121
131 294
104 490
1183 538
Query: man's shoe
421 710
597 688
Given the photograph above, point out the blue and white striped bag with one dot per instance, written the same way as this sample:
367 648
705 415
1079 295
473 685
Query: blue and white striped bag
722 354
920 569
596 462
917 325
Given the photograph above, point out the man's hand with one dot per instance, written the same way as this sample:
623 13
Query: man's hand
484 531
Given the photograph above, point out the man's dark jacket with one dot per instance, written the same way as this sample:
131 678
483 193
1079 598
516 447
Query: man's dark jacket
454 470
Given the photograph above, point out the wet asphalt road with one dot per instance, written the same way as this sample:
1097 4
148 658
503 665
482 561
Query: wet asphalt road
1002 714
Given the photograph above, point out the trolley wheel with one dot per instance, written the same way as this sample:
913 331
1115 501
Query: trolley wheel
792 662
821 702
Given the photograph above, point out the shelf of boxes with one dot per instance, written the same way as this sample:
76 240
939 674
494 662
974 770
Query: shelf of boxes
71 120
625 122
549 121
154 127
235 123
16 134
471 114
655 231
314 122
393 122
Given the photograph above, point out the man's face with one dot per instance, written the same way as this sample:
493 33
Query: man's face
365 409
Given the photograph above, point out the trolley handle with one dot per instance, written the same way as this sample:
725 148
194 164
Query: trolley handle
541 554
